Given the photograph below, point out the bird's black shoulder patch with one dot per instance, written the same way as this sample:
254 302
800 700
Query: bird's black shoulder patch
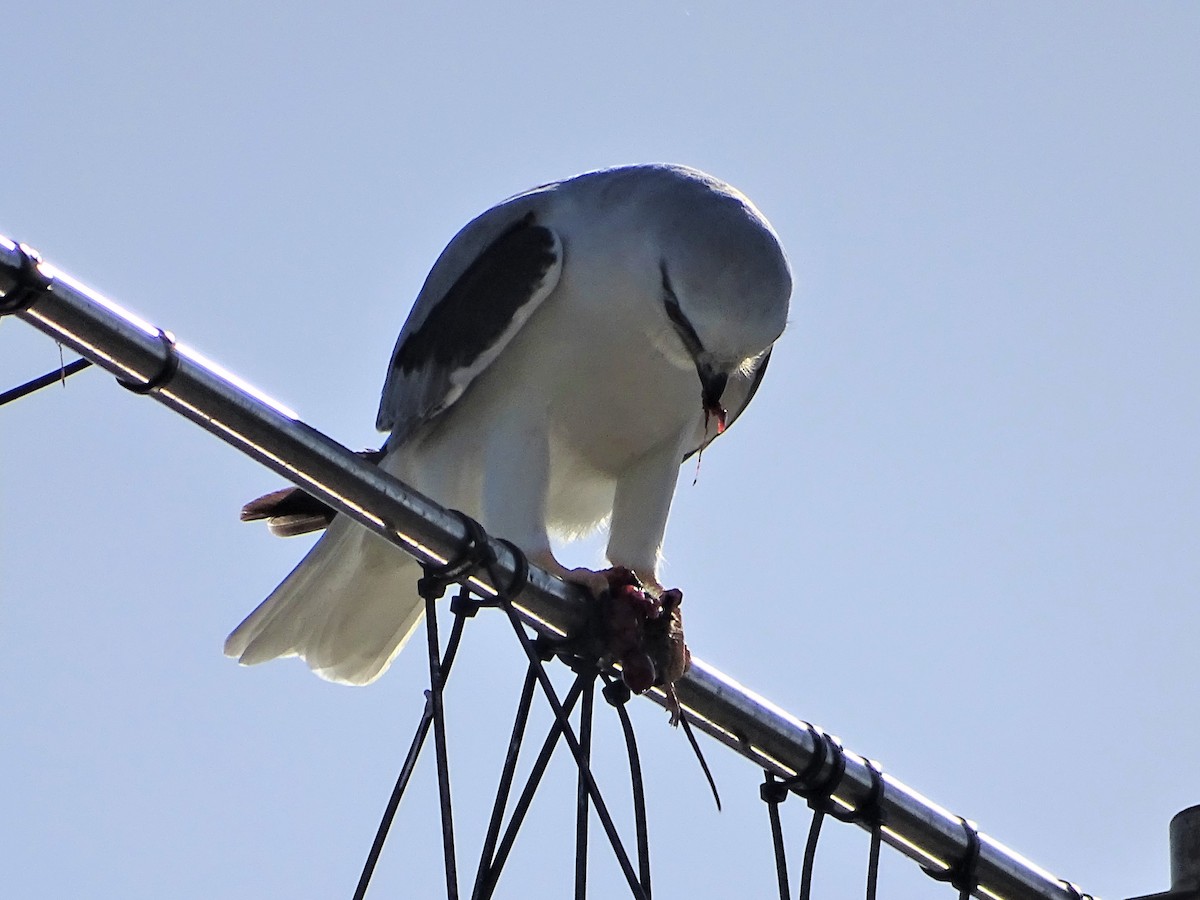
479 306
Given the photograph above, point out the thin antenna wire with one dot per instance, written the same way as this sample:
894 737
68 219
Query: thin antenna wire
58 376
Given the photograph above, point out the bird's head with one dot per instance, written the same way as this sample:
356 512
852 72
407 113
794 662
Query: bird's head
725 287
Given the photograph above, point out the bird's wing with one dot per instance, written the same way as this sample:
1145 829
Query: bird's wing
738 394
486 284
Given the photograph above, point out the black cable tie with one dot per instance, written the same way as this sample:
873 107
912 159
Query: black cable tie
870 811
1074 891
469 603
962 873
545 647
826 749
29 284
819 794
520 579
580 665
170 366
465 603
616 692
781 870
816 762
475 553
772 791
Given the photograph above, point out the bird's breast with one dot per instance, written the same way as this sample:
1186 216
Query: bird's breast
609 392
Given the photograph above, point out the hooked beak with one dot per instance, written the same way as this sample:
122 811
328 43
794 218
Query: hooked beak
712 386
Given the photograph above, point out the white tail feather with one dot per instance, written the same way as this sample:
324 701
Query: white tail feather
347 609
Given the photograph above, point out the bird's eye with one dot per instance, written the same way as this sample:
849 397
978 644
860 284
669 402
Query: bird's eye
687 333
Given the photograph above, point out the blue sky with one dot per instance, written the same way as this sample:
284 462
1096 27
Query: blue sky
958 527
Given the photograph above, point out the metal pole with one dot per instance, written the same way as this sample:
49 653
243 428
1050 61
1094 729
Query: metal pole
1185 858
1185 852
183 380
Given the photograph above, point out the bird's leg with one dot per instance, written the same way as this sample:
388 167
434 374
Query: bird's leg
641 504
594 582
599 581
515 485
516 480
644 624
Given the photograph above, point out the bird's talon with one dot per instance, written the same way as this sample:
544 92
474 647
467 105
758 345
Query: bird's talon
595 583
650 584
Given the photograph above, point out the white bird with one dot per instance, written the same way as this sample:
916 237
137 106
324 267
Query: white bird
568 350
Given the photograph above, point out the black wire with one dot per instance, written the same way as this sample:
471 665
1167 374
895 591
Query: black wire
582 810
475 555
870 812
393 804
810 854
504 599
452 643
569 736
521 807
773 793
504 788
617 694
58 375
691 736
406 770
431 586
439 743
873 862
819 794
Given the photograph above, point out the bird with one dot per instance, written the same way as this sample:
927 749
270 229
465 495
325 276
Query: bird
569 349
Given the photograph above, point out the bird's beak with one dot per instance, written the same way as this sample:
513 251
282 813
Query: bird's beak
712 386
